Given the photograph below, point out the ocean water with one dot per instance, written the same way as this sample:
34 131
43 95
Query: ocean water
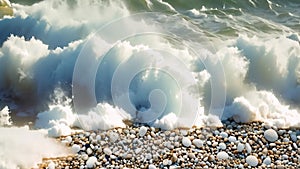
176 63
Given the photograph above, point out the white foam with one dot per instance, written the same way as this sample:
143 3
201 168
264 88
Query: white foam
4 117
21 147
103 117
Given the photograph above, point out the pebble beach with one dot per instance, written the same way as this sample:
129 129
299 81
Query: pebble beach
252 145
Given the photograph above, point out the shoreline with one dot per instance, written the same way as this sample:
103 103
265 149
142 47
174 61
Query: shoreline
232 146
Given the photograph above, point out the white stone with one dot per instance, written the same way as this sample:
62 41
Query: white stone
248 148
224 134
267 161
252 161
98 137
51 165
232 139
138 150
107 151
68 139
198 143
151 166
285 157
89 151
113 137
285 139
84 157
240 147
271 135
75 148
222 146
91 162
165 162
222 155
186 142
143 131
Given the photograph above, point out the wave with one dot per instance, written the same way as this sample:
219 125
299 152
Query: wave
188 61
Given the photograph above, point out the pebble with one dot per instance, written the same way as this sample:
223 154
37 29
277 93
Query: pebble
143 131
248 148
91 162
51 165
222 155
285 139
267 161
113 137
107 151
223 134
293 137
246 145
271 135
252 161
232 139
240 147
222 146
151 166
75 148
186 142
198 143
165 162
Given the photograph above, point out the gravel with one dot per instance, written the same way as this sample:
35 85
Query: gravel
136 146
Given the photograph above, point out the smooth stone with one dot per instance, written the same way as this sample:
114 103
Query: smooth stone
89 151
248 148
192 155
223 134
113 137
271 135
267 161
198 143
285 139
222 155
91 162
143 131
107 151
252 161
75 148
165 162
151 166
293 137
240 147
232 139
186 142
51 165
222 146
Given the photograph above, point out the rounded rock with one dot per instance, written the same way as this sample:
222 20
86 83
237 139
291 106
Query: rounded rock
75 148
186 142
267 161
143 131
198 143
222 146
151 166
107 151
224 134
252 161
91 162
271 135
240 147
222 155
232 139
